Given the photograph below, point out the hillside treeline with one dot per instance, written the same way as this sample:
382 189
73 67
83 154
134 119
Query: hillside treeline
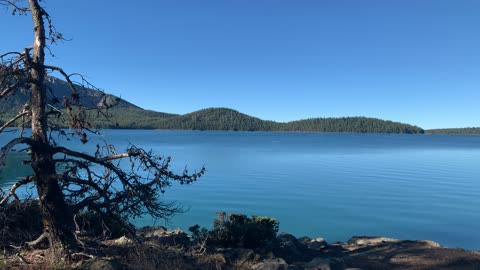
455 131
228 119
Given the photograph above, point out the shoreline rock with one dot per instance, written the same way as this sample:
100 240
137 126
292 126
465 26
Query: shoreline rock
162 249
358 253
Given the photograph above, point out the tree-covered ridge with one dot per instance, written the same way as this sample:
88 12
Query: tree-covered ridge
216 119
350 124
129 116
228 119
455 131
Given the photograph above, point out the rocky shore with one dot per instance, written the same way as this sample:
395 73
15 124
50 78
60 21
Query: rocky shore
286 253
162 249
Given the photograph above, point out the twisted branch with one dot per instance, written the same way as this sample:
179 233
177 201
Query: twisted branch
18 184
13 120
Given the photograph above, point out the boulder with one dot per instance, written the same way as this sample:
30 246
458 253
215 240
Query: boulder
271 264
289 248
370 240
174 238
430 243
103 264
122 241
317 243
318 264
148 231
238 256
285 237
304 240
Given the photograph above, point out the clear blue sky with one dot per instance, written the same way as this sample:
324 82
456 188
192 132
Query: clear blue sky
404 60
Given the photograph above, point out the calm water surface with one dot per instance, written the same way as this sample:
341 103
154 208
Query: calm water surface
329 185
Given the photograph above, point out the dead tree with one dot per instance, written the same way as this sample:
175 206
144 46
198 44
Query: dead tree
95 182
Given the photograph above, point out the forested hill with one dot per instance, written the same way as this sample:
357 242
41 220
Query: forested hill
228 119
128 115
351 124
455 131
217 119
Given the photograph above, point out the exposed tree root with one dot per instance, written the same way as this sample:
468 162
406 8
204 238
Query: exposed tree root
35 243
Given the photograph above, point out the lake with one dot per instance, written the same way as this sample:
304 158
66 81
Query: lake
322 185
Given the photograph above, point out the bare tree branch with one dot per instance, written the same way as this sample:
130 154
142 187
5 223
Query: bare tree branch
105 163
18 184
119 156
16 8
37 241
5 149
65 75
13 120
9 89
9 53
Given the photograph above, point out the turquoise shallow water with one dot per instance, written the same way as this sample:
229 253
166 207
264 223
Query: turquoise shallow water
329 185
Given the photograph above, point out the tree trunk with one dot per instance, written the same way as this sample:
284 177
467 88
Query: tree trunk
57 217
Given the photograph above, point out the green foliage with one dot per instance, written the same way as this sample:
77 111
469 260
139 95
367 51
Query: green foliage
350 124
237 230
198 234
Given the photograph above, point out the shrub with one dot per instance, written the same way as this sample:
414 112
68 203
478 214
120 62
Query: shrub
237 230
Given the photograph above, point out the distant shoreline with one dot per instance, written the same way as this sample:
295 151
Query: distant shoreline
426 132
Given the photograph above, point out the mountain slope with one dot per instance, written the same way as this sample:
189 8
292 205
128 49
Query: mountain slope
123 114
56 90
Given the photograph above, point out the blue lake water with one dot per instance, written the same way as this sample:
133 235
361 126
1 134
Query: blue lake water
322 185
